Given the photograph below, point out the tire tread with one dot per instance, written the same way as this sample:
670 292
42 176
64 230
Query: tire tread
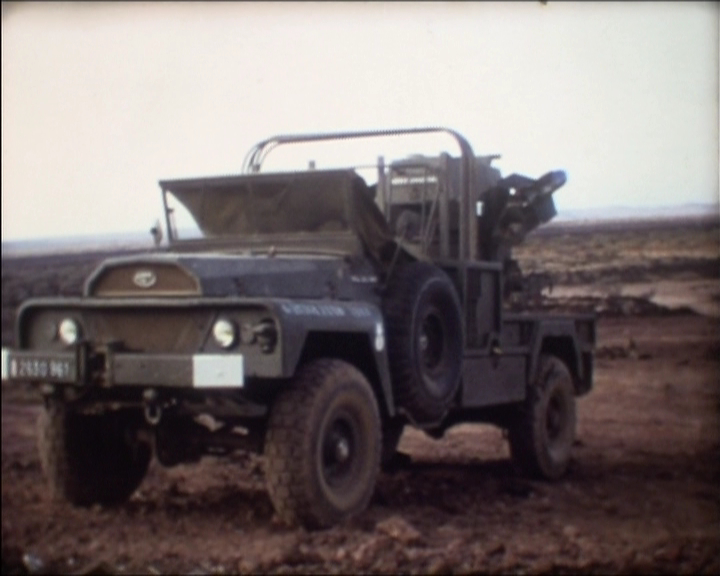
288 475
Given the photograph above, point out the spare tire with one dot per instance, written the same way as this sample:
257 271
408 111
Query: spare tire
424 339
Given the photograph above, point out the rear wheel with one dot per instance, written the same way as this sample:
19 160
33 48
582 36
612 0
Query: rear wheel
89 459
323 445
542 433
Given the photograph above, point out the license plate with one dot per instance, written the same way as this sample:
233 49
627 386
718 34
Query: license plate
41 368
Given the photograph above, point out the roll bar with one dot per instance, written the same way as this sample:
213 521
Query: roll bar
468 225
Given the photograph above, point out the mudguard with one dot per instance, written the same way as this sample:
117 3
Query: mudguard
299 319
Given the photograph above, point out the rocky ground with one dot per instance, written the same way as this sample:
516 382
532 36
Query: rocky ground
642 494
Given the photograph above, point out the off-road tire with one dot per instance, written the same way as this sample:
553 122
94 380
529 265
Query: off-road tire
90 459
542 433
424 338
323 445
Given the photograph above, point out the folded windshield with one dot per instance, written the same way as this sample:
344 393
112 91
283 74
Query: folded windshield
259 205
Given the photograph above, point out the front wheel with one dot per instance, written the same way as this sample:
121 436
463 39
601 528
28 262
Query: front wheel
323 445
543 430
91 459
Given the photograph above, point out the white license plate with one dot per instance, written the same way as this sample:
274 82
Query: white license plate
218 371
39 368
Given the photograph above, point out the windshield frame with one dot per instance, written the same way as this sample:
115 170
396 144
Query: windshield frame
341 180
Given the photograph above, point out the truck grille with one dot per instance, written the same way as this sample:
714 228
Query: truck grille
137 279
150 330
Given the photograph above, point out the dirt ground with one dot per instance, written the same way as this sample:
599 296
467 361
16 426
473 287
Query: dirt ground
642 494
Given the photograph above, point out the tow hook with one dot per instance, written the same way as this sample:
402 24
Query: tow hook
152 409
153 413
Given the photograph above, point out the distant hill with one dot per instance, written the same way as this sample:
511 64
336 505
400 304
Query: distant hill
639 212
143 240
91 243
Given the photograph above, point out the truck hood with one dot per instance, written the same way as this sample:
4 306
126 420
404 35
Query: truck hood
227 275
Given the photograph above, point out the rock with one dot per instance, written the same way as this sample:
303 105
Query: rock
364 551
544 505
399 529
438 565
33 563
497 549
96 568
671 553
551 550
412 554
247 566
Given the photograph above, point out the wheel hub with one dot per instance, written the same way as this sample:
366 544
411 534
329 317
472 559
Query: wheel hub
555 417
338 452
431 341
342 450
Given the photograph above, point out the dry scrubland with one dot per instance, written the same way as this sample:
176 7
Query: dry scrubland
642 495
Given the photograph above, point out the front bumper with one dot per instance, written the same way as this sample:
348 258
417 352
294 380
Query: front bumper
73 367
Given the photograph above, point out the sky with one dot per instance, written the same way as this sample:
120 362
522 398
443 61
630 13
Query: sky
100 101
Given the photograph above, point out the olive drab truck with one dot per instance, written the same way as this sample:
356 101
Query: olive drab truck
309 316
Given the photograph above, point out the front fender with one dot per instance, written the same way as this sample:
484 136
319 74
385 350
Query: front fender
301 318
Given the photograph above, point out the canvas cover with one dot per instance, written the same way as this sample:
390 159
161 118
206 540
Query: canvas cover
278 204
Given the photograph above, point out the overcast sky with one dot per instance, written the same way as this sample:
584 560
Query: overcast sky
99 102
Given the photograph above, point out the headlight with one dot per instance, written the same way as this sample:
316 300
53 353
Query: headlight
224 333
69 331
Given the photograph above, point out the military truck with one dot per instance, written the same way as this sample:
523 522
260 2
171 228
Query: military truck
309 316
